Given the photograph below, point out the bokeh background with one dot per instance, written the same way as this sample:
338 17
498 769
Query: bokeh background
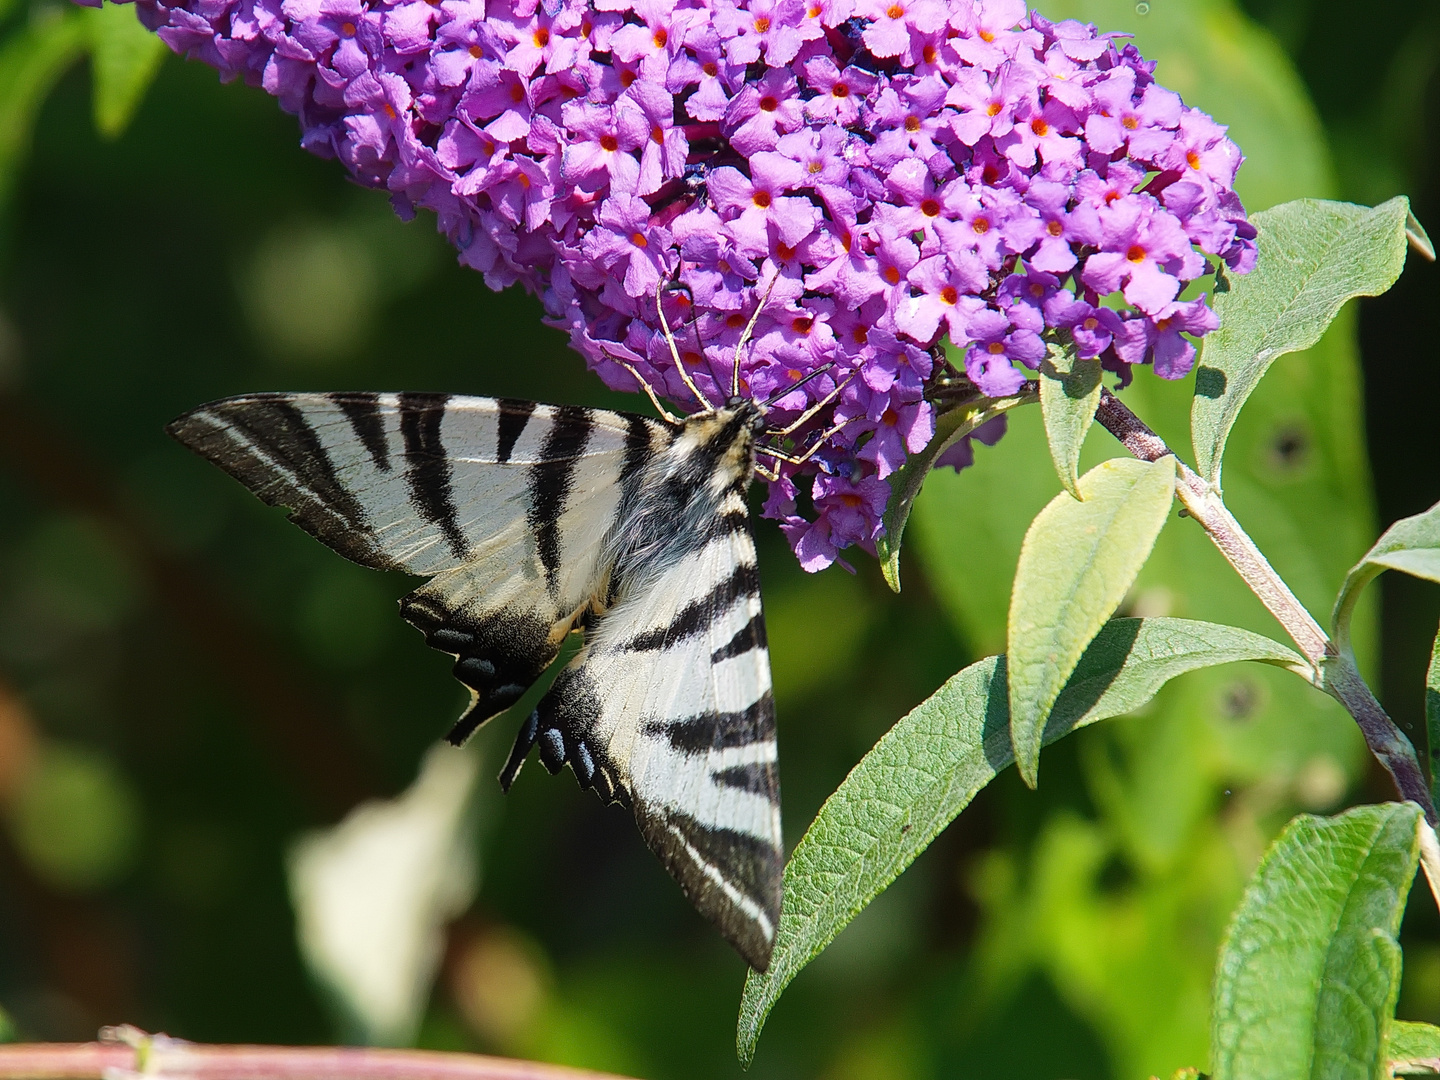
189 686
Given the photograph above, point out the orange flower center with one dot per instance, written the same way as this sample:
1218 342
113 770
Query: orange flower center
1130 123
852 501
517 93
657 135
995 348
986 36
691 358
889 418
784 250
981 226
476 52
627 77
912 124
761 199
892 275
768 104
710 68
1054 228
390 110
661 38
1136 254
928 54
801 325
638 239
762 24
840 90
860 335
895 11
949 295
541 37
347 29
1090 323
1194 160
609 143
1039 127
993 109
930 208
735 320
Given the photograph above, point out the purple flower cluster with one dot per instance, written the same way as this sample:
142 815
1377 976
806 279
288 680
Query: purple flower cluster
847 182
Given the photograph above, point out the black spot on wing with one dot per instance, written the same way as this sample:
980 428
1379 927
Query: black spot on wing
366 420
514 415
427 468
564 722
717 730
550 482
696 616
749 637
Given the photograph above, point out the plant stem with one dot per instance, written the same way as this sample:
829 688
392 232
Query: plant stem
1334 673
128 1053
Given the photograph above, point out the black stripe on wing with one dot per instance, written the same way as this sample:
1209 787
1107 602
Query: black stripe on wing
266 443
427 466
697 616
550 482
718 730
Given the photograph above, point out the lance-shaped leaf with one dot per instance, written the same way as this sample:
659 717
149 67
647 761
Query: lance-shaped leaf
1414 1049
951 425
124 59
1412 545
1432 719
929 766
1069 394
1313 257
1077 563
1310 967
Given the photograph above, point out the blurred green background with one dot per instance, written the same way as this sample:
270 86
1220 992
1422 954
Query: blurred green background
188 684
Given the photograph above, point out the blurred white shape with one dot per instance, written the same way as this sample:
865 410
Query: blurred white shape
373 895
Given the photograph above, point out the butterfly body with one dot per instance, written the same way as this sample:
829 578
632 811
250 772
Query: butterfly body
532 521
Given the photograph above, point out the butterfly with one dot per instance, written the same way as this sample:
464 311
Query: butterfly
534 520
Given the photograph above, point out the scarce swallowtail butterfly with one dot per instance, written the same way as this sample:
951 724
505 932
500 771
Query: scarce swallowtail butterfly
535 520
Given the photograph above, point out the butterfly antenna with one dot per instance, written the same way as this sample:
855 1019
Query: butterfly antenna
808 413
796 385
735 367
666 414
674 351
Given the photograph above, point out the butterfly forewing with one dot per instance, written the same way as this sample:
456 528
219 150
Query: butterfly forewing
532 520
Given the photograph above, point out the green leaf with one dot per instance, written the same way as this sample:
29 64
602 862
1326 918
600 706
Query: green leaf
124 57
31 60
1310 967
1069 394
929 766
951 426
1314 255
1414 1049
1412 545
1432 719
1077 563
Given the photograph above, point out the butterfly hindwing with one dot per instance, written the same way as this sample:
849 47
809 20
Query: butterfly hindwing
668 708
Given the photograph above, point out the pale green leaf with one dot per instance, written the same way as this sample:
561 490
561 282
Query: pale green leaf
1310 967
1077 563
1432 719
1314 255
1411 545
1069 394
1414 1049
951 426
32 58
124 58
929 766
